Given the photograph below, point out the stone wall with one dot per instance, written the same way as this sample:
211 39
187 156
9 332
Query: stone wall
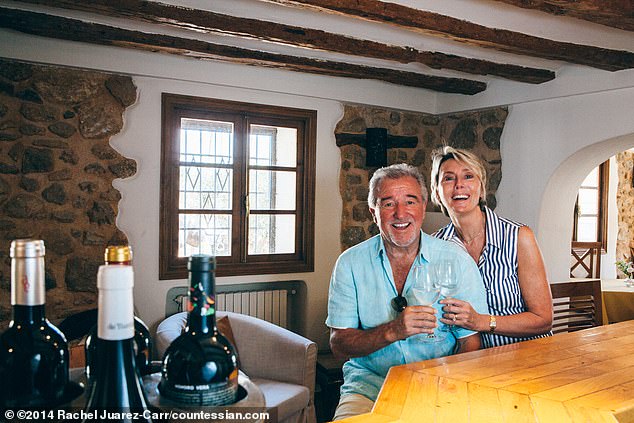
625 205
477 131
56 172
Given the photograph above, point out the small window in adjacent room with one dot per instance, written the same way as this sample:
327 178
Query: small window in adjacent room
590 213
237 182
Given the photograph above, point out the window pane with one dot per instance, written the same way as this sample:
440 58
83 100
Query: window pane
588 201
272 146
219 153
271 234
587 229
271 190
202 188
204 234
206 141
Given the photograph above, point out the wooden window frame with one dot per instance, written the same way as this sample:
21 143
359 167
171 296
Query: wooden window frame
602 217
174 107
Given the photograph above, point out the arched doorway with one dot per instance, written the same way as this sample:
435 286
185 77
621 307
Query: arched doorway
554 226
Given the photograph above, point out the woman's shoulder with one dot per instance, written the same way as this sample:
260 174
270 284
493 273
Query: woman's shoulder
522 233
526 237
503 223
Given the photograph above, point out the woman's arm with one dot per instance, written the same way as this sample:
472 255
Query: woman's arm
468 343
535 290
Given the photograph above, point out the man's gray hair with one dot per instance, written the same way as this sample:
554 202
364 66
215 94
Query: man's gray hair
394 171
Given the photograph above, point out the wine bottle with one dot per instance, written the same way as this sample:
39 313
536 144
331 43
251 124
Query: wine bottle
117 386
200 366
33 353
122 254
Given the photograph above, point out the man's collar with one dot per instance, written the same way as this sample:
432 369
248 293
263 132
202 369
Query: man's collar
423 248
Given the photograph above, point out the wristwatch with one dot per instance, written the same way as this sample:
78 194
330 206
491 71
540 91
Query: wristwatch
492 323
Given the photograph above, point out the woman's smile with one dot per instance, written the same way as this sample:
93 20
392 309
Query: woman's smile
459 186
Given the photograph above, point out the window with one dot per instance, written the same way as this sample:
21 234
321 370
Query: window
237 182
590 214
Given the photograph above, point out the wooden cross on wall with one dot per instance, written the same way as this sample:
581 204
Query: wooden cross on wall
376 141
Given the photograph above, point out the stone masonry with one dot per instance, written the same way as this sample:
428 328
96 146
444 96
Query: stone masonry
56 173
624 206
477 131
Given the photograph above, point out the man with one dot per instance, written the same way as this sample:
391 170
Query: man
368 313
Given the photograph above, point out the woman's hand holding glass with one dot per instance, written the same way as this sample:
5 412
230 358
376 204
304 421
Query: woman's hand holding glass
461 313
455 311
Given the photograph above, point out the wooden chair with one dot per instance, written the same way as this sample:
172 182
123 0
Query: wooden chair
586 260
577 305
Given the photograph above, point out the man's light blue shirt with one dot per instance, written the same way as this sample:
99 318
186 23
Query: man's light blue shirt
361 288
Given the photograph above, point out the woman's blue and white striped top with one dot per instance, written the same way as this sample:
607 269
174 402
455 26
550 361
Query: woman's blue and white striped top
498 267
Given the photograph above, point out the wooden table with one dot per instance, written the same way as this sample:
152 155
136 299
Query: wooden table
584 376
618 301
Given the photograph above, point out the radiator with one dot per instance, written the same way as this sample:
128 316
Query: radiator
275 302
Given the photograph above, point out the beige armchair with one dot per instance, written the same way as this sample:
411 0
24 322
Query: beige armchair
280 362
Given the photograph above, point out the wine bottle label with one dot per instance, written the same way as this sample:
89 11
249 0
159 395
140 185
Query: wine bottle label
27 272
222 393
115 319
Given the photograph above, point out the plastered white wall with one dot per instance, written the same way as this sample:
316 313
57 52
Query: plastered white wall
548 148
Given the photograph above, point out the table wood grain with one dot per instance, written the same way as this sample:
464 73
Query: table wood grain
584 376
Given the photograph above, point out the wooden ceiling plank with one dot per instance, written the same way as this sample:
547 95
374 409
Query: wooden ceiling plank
75 30
471 33
211 22
613 13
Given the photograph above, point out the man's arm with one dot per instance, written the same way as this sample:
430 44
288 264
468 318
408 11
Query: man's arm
348 342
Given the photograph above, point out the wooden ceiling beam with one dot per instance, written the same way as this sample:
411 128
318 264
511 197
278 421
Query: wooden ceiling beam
473 34
210 22
613 13
75 30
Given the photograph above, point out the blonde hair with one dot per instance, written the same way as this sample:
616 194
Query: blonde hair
467 158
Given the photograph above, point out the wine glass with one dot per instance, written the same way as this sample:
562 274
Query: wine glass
448 281
426 291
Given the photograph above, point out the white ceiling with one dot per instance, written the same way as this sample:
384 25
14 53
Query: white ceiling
571 79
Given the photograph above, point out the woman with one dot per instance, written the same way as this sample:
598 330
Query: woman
506 253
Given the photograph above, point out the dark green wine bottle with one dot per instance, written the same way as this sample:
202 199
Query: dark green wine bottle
116 386
122 254
200 367
34 355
